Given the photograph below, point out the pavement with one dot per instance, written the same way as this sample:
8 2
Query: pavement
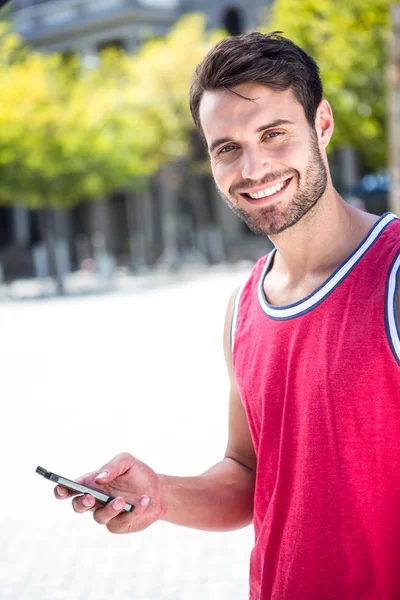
122 279
138 369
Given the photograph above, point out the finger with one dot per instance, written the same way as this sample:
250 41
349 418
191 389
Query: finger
61 492
115 467
124 522
105 514
141 505
82 504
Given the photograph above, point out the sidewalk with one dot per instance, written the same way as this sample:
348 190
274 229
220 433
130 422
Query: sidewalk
86 282
64 559
87 377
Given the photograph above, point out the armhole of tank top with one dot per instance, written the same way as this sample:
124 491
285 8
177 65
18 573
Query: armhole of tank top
391 317
235 315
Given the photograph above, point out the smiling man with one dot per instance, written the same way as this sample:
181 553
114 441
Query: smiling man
312 344
270 154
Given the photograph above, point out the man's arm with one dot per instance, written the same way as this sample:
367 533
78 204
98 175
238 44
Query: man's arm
219 500
222 498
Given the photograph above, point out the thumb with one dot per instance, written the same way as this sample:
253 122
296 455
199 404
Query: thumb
115 467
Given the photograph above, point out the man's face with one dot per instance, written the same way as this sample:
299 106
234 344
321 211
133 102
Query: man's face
265 157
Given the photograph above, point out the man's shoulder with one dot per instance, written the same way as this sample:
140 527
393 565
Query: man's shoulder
256 271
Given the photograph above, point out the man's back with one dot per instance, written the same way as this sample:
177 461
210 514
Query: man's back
320 383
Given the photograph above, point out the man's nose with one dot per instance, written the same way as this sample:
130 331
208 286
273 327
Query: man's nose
255 164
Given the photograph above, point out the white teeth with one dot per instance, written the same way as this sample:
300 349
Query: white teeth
267 192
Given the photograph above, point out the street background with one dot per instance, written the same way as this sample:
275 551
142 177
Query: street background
85 378
101 166
117 259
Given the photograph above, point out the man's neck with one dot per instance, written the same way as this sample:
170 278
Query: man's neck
322 239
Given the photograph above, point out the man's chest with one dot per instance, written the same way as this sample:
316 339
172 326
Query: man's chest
280 290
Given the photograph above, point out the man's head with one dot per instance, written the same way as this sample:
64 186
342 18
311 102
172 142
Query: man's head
257 99
267 59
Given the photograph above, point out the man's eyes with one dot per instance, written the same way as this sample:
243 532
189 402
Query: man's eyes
268 136
273 134
227 149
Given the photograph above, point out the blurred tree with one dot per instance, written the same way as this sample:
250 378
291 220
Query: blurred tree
70 134
162 70
349 41
66 134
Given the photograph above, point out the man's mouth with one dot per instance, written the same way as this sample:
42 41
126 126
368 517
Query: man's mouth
268 191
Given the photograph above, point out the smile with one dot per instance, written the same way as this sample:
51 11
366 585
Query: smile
268 191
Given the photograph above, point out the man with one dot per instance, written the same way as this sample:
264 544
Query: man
312 344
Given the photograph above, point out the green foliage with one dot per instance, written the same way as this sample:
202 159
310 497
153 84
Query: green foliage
349 41
62 139
163 70
69 134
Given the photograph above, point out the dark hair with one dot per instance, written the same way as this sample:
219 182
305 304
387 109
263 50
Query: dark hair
269 59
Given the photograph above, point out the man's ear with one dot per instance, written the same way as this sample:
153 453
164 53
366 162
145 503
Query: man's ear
324 124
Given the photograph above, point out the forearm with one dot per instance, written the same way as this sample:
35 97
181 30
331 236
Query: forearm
219 500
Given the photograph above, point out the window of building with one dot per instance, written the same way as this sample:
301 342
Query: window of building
111 45
17 4
232 21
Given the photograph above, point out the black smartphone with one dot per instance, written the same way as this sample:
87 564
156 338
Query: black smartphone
79 487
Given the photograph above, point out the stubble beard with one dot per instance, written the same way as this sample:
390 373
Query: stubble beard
271 220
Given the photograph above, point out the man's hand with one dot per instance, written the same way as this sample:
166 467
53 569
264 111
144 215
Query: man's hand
221 499
129 480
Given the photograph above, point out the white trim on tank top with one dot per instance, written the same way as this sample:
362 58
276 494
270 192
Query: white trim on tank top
235 315
392 321
290 311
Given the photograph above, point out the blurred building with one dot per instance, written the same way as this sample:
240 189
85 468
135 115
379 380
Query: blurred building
166 226
394 115
90 25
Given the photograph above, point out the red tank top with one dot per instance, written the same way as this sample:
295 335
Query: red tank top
320 383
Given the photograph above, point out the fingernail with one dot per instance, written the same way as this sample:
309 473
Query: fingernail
144 500
118 503
86 501
62 492
102 475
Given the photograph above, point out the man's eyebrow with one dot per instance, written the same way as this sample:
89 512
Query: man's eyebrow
276 123
217 143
